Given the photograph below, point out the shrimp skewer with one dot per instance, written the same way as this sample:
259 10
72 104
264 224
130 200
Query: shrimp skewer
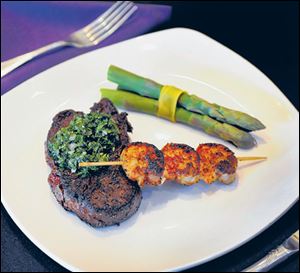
146 164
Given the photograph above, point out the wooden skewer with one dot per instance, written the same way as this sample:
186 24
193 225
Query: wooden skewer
111 163
102 163
246 158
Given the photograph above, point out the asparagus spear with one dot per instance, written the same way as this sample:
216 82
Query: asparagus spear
148 88
211 126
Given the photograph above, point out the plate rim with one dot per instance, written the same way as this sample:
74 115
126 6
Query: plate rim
172 269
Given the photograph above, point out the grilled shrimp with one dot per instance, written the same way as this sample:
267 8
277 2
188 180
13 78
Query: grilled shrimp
182 164
143 162
217 163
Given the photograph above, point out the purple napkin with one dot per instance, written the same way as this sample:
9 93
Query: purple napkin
28 25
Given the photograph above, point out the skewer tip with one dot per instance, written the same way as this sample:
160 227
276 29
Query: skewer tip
248 158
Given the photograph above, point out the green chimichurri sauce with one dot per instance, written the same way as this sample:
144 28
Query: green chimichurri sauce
91 137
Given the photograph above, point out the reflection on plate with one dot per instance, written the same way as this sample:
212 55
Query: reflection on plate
176 227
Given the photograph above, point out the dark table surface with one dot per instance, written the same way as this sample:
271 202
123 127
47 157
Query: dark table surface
265 33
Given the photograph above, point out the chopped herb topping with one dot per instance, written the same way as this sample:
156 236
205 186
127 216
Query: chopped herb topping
91 137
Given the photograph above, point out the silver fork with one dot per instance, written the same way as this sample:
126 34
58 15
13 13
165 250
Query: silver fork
277 255
91 34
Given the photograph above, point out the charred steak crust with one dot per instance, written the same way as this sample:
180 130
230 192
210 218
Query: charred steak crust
106 198
100 200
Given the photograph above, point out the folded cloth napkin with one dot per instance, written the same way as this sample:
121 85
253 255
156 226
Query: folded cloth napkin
28 25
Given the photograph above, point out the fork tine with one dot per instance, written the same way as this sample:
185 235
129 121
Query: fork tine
98 38
112 17
103 16
110 24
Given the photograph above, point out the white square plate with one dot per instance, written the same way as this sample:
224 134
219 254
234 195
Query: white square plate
176 227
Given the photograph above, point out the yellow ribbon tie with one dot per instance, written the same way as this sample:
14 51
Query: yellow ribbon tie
167 102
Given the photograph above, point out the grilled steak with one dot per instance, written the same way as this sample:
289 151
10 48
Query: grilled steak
106 198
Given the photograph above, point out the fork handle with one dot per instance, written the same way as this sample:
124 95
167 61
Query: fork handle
12 64
272 259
